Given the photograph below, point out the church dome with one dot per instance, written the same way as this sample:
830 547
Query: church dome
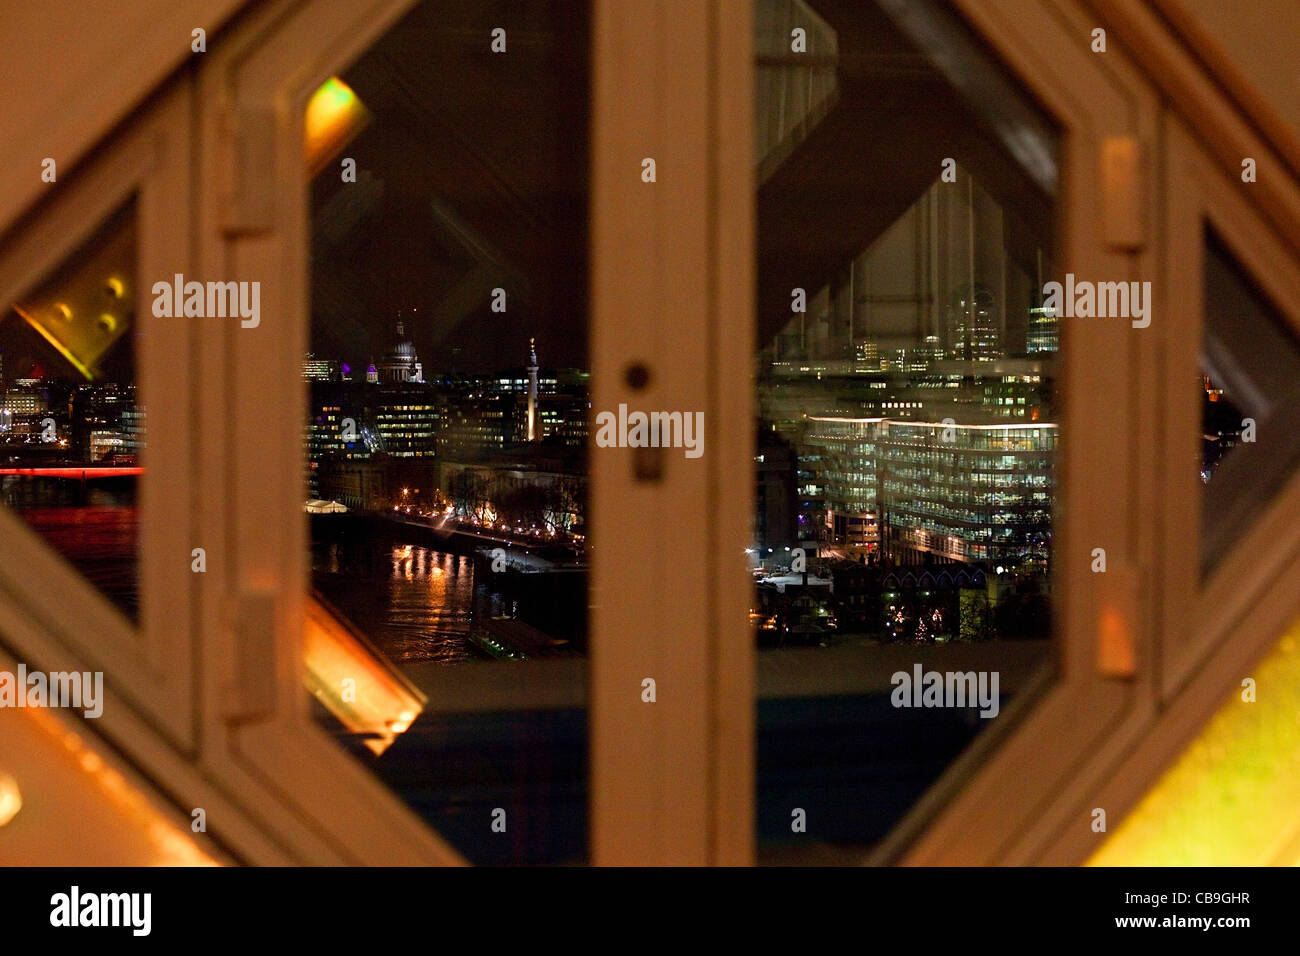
401 363
402 350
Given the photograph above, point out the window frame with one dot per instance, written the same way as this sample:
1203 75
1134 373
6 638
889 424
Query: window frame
57 617
1212 631
258 733
1195 639
672 286
1202 612
1015 790
685 800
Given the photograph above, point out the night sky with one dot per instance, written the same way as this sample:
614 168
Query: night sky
471 175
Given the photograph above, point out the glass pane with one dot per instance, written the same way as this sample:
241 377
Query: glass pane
1250 365
907 403
71 429
447 426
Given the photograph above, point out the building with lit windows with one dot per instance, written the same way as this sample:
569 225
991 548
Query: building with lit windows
24 399
973 322
1043 333
958 492
319 370
469 421
563 417
845 449
406 420
933 491
133 429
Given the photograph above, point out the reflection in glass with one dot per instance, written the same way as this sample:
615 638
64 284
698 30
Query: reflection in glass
446 429
908 430
1250 364
71 427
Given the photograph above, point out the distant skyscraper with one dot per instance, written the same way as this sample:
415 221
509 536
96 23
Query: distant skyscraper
532 390
319 370
1042 334
942 278
974 326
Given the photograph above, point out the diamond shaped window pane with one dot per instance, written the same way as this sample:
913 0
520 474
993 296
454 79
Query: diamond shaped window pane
907 401
71 428
1250 365
446 435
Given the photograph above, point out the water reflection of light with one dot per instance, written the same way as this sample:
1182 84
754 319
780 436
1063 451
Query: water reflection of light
423 616
402 562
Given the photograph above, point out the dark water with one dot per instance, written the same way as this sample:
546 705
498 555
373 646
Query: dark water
854 764
98 537
414 603
417 602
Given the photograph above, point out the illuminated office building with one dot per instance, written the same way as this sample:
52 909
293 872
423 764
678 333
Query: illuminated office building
845 449
934 491
319 370
956 492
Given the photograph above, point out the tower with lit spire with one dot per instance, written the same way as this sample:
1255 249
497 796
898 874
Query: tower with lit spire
532 389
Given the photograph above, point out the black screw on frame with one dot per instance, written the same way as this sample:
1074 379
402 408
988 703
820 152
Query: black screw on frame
637 376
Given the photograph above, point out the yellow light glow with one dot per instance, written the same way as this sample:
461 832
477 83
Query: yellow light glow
1233 797
334 115
380 702
11 800
67 308
55 340
170 845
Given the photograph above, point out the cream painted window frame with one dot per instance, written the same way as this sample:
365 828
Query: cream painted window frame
53 617
686 799
1096 741
1011 793
672 275
1215 630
